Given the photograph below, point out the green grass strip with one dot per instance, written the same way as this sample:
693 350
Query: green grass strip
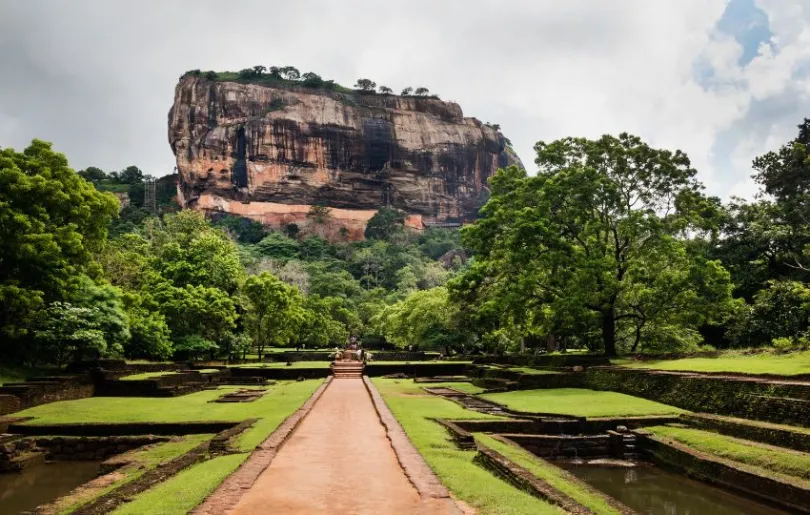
733 362
144 460
470 483
181 493
186 408
768 457
581 403
550 474
533 371
146 375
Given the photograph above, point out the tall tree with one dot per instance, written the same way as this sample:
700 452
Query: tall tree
51 223
580 233
365 85
276 310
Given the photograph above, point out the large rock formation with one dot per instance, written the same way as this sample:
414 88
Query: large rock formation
270 153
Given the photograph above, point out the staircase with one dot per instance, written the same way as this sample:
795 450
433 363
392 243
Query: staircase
347 369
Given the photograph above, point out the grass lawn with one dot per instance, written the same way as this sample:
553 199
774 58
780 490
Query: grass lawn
550 474
146 375
183 492
468 482
581 403
771 458
735 362
143 461
279 402
464 387
533 371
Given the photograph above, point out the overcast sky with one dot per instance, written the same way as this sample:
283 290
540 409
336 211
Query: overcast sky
722 80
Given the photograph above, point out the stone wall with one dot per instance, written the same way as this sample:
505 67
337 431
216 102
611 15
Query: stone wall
329 355
725 473
122 429
547 361
774 434
48 389
9 404
564 446
88 449
781 402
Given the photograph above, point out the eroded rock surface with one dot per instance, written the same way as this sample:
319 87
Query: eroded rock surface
269 153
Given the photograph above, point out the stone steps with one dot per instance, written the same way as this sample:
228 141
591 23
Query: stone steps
347 369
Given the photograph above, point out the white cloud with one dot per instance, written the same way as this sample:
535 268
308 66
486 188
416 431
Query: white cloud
97 77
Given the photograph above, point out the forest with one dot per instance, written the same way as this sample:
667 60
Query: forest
612 247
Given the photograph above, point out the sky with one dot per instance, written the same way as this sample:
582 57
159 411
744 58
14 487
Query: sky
722 80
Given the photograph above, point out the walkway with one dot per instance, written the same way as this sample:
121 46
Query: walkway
338 461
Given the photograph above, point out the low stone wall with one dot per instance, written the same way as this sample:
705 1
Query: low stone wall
573 426
781 402
88 449
416 369
725 473
521 478
563 379
328 355
47 389
564 446
131 428
161 386
281 374
764 432
9 404
552 361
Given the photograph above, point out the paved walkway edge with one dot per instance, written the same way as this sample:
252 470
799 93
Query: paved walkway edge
230 491
416 468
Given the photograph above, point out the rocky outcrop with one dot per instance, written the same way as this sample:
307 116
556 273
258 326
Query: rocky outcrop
270 153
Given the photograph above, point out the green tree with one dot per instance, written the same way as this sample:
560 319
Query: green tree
51 223
107 307
312 80
425 319
275 311
93 174
278 246
366 85
421 92
575 236
407 91
290 73
243 229
67 331
150 334
385 90
258 70
196 311
130 175
385 224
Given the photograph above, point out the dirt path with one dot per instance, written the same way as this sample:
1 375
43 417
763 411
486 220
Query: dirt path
338 461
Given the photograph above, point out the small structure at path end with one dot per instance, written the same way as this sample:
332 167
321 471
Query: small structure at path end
349 362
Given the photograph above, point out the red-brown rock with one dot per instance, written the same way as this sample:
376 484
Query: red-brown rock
269 153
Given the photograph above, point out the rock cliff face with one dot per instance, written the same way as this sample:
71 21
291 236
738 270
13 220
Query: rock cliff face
270 153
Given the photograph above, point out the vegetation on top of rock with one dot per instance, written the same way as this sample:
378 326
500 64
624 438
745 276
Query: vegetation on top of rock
288 76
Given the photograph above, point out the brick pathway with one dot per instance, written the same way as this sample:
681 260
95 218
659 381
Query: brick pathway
340 461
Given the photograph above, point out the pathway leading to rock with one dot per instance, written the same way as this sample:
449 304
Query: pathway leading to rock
338 461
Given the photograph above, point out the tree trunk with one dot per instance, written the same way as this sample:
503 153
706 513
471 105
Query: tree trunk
638 338
609 331
551 343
